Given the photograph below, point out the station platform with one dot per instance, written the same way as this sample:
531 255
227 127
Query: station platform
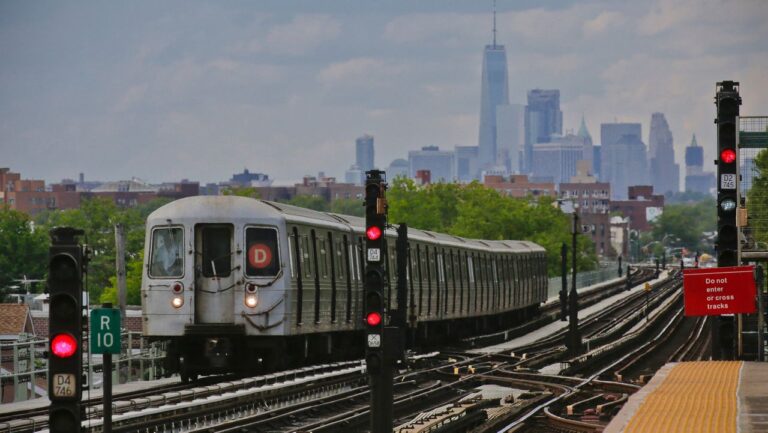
699 397
554 327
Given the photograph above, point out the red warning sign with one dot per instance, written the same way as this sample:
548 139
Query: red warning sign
715 291
259 256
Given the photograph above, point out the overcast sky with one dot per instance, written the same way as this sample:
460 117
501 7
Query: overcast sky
201 89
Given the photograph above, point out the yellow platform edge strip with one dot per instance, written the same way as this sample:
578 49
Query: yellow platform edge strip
696 397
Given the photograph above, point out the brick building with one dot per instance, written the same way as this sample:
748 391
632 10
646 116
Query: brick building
594 210
642 207
519 186
324 187
24 195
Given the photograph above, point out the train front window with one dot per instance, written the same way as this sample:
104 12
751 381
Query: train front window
217 251
167 258
263 259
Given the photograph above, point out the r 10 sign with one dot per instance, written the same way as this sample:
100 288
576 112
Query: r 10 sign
105 331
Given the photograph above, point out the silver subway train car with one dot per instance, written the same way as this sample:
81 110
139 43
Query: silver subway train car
238 284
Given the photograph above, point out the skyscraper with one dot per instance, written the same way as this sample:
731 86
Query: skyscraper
543 118
665 174
494 92
696 180
430 158
623 160
364 153
510 137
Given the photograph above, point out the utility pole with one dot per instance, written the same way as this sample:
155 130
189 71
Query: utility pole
120 266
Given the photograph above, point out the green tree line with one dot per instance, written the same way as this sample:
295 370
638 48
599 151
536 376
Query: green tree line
475 211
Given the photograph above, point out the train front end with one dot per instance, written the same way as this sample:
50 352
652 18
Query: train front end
213 282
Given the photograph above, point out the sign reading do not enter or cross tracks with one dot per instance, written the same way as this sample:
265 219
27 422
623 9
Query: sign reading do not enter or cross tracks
105 330
715 291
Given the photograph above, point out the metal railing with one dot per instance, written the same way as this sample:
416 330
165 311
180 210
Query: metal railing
607 271
25 367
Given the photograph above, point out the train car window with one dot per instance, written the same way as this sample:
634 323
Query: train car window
452 277
291 257
263 257
306 262
167 253
299 283
420 264
339 258
330 255
316 265
349 278
322 257
440 266
217 251
461 264
470 269
430 261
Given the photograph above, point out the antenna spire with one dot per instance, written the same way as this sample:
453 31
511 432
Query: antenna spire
494 23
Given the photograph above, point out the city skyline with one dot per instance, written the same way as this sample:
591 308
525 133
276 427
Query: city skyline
199 90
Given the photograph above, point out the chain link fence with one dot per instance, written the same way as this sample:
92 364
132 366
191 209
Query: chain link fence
753 188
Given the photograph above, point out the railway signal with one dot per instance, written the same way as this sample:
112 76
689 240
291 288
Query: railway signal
727 101
65 286
377 361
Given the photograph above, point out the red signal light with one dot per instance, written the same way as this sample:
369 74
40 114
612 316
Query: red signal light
373 233
728 156
373 318
63 345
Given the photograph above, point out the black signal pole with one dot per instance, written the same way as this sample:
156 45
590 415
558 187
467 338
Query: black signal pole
574 338
564 288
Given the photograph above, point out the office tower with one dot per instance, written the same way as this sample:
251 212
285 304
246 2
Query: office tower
398 167
494 92
664 173
510 121
543 118
623 160
589 152
354 175
556 161
364 153
466 161
438 162
696 179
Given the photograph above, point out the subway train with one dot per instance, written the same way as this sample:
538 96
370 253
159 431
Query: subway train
242 285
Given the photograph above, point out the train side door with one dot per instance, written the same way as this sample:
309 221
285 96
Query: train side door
214 275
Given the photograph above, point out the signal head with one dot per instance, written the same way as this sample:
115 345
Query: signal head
373 318
728 156
373 233
63 345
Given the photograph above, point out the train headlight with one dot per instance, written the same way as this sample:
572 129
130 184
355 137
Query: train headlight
177 301
251 300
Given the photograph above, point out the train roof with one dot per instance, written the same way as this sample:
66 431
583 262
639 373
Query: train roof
235 208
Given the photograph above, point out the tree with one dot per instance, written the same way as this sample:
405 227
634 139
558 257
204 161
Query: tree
475 211
23 249
241 191
686 222
133 271
310 202
97 217
348 206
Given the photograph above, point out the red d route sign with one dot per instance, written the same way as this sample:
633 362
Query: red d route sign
715 291
259 256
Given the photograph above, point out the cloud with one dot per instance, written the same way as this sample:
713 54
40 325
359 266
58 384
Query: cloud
361 70
302 34
602 22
